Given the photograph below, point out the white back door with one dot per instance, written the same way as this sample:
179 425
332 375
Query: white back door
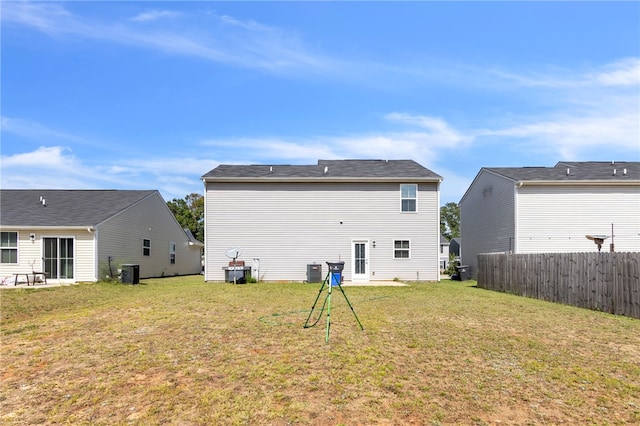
360 260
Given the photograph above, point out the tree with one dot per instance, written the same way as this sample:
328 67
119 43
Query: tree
450 220
189 212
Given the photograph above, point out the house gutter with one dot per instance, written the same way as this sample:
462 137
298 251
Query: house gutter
577 183
88 228
322 179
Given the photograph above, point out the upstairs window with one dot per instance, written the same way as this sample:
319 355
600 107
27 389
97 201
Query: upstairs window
401 249
409 197
172 253
146 247
8 247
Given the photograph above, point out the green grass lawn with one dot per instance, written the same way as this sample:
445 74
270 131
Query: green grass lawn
184 352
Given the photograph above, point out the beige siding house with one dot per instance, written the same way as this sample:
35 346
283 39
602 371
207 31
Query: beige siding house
380 217
551 209
79 235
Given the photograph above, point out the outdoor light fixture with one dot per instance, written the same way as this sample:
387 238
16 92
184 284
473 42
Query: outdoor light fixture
597 239
32 237
374 244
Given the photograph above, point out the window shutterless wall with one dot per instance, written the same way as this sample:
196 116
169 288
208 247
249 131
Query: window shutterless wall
290 225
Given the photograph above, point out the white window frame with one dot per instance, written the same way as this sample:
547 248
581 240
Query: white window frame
9 248
58 258
146 248
172 253
404 198
401 249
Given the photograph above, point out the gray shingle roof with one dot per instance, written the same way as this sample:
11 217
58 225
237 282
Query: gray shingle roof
351 170
577 171
22 207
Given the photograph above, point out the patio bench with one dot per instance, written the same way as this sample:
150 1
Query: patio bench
36 277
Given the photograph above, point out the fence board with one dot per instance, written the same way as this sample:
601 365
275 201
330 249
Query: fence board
608 282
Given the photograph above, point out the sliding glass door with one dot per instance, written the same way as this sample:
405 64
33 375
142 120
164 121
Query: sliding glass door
58 257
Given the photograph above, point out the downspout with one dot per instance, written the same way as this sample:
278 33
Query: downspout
96 259
515 217
438 233
205 249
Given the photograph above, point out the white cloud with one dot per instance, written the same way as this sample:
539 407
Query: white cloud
437 131
48 18
625 72
153 15
587 112
52 158
234 42
426 146
58 168
32 130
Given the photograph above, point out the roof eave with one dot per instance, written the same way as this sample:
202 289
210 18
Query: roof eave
322 179
88 228
634 182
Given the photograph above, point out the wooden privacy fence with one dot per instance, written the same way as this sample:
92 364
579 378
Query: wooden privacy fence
608 282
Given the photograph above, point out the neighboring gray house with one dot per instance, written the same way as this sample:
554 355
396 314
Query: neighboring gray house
72 234
380 217
454 246
551 209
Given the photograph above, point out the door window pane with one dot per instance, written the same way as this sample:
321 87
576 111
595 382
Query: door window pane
360 258
51 257
66 258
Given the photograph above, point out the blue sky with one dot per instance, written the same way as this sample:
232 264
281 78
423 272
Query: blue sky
152 95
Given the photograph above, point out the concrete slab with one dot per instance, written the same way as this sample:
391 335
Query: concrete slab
374 284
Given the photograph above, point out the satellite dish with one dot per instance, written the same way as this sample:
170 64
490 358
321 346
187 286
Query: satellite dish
233 253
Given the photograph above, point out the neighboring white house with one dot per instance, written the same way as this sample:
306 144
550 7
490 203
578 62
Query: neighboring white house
380 217
76 235
444 253
551 209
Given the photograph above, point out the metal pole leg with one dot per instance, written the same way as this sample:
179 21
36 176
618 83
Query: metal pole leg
306 323
351 307
326 339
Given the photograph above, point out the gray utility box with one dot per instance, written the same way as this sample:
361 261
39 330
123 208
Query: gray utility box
314 273
463 272
130 274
